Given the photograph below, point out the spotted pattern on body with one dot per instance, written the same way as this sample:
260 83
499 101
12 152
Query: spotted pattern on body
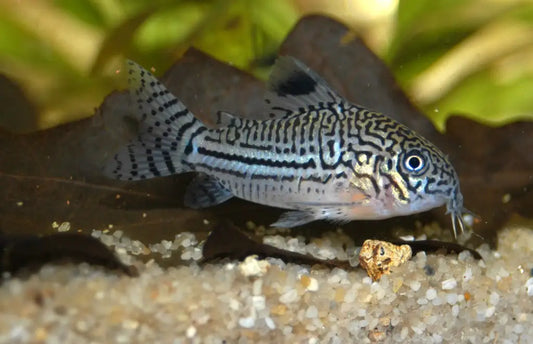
320 155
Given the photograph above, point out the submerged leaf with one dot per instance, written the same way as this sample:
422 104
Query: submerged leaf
227 241
434 246
18 113
31 252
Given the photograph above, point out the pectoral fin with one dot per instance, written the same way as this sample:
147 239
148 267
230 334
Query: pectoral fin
205 191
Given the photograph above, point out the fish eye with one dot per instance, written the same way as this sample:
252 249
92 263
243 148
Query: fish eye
414 162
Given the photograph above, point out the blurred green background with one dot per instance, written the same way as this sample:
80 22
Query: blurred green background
470 57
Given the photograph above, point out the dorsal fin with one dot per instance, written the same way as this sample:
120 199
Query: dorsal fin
293 86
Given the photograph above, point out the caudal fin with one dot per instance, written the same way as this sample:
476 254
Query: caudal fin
166 130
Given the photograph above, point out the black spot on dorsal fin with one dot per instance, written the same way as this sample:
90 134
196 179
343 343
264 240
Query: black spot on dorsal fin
297 83
293 87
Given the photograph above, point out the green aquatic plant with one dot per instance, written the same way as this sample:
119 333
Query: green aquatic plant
471 57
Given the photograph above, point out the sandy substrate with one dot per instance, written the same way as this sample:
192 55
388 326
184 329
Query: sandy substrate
431 299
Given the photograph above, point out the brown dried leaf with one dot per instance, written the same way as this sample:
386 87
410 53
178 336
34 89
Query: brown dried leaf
495 165
435 246
228 241
18 113
31 252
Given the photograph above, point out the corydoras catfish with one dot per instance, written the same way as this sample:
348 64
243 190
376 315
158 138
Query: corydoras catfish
320 156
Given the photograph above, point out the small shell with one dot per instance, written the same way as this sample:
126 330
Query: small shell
378 257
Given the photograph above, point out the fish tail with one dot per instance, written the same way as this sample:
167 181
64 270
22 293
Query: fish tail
166 132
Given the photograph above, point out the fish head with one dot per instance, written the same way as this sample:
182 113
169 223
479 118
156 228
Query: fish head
417 177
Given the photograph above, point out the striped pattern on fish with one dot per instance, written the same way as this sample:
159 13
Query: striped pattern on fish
320 155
